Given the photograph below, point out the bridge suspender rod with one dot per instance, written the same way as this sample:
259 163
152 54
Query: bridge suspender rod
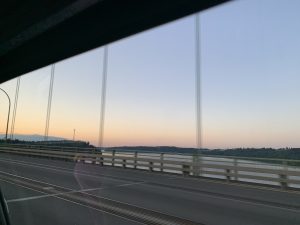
198 81
12 129
49 102
103 97
196 157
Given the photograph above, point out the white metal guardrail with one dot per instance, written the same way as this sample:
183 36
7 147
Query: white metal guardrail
256 170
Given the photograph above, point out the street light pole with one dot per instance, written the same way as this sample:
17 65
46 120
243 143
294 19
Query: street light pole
7 113
74 134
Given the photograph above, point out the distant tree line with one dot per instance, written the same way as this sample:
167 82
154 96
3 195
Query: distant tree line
61 143
282 153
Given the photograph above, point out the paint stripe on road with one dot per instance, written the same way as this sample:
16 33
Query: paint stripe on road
68 192
173 176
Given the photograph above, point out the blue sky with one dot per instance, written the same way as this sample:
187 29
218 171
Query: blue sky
249 83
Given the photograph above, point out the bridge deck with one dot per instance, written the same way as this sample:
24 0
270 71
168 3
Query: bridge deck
44 191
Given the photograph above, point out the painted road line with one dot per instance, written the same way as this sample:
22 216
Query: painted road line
68 192
230 197
122 209
168 177
85 206
66 170
212 196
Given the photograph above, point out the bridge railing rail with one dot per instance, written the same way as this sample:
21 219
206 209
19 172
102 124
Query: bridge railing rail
282 172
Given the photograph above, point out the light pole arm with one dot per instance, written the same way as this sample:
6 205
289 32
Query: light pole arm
7 123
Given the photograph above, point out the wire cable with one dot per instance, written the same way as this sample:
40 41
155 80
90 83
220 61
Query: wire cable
197 157
198 82
12 129
49 102
103 97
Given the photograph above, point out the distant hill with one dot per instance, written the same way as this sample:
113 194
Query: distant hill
165 149
282 153
36 139
33 137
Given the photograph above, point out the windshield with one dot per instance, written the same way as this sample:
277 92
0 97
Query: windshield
193 122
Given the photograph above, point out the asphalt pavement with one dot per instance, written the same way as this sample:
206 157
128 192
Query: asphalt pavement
45 191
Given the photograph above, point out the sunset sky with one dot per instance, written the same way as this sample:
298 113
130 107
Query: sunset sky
250 78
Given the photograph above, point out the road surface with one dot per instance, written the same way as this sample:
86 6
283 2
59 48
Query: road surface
45 191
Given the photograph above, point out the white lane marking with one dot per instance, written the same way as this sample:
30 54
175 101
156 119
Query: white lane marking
48 188
71 190
26 178
242 201
216 197
97 196
90 207
32 198
67 170
76 203
68 192
60 169
115 186
219 182
86 206
20 185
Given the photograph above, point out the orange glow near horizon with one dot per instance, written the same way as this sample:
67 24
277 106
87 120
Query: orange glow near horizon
249 89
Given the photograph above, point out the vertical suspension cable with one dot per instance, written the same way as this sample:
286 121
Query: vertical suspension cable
198 82
103 97
196 157
12 129
49 102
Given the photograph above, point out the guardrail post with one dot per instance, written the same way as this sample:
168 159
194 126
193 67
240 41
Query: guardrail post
124 163
227 174
101 159
235 169
135 159
161 162
151 166
197 164
283 176
83 158
113 158
283 181
186 170
94 159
